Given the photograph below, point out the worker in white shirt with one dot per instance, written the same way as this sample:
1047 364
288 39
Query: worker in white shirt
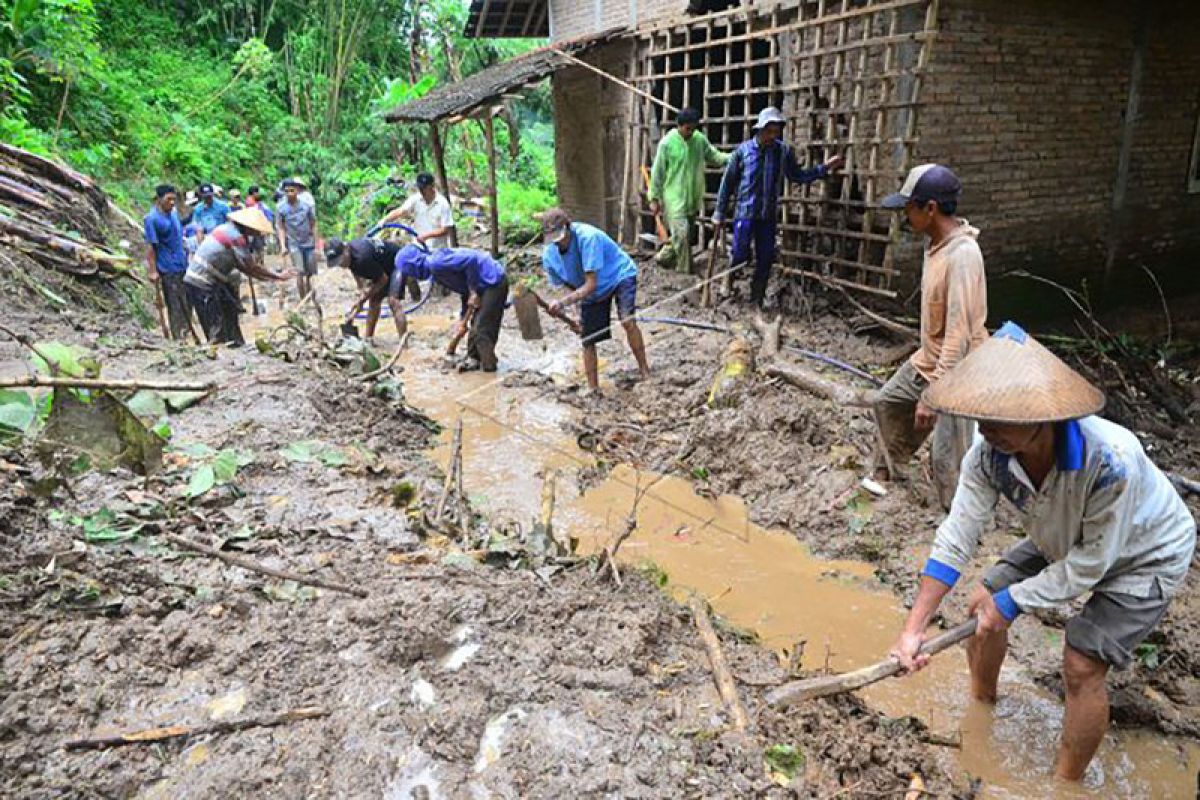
1099 518
430 213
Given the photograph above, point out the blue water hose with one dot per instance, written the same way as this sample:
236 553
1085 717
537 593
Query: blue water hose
809 354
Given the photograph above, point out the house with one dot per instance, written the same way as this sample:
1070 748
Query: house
1074 126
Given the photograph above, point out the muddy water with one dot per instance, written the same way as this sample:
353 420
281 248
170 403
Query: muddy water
761 580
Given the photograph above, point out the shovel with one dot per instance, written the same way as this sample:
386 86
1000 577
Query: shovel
812 688
526 304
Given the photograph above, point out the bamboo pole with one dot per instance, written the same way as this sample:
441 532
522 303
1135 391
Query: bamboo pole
489 132
716 659
439 168
623 84
97 383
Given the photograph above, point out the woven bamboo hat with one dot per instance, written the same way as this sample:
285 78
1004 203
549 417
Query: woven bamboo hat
253 218
1012 378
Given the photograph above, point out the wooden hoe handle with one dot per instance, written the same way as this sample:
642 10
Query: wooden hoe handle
812 688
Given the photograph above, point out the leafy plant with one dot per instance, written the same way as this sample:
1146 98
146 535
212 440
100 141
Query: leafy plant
1148 655
784 759
221 468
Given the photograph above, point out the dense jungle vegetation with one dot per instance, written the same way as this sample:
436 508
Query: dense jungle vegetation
238 92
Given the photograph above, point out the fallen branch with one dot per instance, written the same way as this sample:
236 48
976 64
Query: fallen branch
451 470
812 688
155 735
98 383
815 384
25 341
391 362
716 659
254 566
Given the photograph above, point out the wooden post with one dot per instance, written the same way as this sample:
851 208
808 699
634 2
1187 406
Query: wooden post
439 168
489 133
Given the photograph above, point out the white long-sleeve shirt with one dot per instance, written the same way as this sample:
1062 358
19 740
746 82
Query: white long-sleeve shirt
1105 517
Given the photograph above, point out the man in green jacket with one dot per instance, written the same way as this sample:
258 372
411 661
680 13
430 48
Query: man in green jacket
677 185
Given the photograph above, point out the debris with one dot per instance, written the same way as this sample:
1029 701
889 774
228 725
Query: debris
154 735
391 361
812 688
99 432
716 659
254 566
874 487
815 384
737 364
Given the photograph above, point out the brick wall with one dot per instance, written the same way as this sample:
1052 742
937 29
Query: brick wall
1026 101
590 125
572 18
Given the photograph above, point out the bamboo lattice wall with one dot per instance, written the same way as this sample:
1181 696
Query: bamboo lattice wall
845 73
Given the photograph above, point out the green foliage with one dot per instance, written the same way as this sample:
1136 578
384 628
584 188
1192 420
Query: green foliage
1148 656
18 413
784 760
219 468
137 93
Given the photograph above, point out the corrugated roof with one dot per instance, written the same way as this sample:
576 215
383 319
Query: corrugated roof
488 85
508 19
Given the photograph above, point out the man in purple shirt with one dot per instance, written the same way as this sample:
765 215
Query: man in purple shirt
475 277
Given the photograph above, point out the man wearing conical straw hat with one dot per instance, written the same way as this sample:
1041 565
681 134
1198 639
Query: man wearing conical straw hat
1099 517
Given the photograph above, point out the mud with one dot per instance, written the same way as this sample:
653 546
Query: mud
449 680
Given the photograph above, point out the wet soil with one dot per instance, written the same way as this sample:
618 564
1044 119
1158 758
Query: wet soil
448 680
797 461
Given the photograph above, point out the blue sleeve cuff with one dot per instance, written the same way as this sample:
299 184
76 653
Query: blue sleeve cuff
1007 607
941 572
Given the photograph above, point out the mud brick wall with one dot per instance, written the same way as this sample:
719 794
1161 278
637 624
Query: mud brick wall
590 127
1027 100
572 18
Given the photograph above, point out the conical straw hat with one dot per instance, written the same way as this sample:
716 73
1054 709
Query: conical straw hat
1012 378
253 218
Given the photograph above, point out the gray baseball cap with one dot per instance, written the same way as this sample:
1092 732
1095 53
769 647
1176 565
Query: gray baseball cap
924 183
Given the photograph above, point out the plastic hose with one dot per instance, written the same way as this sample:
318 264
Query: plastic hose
809 354
428 292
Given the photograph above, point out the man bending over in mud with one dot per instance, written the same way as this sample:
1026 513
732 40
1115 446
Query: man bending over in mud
599 271
1099 515
371 261
474 276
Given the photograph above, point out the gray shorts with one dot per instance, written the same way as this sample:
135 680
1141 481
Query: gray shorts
304 260
1111 625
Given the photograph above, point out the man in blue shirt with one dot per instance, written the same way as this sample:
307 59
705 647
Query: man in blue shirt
166 260
599 271
211 212
754 179
475 277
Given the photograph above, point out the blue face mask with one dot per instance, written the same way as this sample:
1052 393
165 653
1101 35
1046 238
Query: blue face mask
412 260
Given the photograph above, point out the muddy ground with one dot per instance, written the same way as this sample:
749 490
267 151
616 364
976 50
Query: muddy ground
798 460
449 680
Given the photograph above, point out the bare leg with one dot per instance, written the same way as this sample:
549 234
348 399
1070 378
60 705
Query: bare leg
638 346
375 305
985 656
591 366
1086 720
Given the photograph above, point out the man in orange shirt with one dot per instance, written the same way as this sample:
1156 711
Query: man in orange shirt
953 313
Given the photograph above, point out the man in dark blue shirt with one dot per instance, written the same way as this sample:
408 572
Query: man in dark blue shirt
473 275
166 260
754 181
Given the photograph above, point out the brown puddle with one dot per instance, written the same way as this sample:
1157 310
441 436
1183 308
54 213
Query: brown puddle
760 580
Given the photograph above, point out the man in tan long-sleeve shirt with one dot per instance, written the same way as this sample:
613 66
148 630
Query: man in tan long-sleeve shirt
953 313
